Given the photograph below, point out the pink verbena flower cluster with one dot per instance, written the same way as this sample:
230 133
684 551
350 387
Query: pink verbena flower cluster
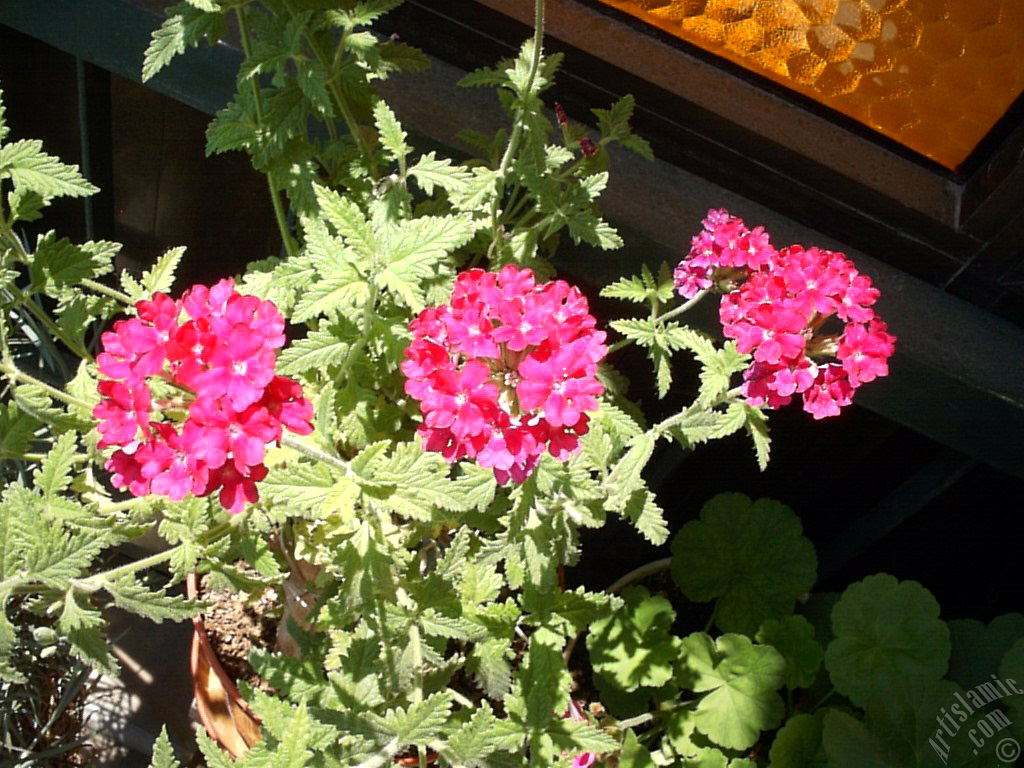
805 314
506 371
223 401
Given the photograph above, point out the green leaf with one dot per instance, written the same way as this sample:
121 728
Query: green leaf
348 220
163 752
318 351
168 41
482 736
160 278
430 172
53 477
740 680
60 263
757 428
793 637
634 646
422 722
849 744
392 137
633 754
545 681
312 79
303 489
489 664
27 166
798 743
16 428
153 604
625 478
752 556
885 630
4 130
647 517
977 648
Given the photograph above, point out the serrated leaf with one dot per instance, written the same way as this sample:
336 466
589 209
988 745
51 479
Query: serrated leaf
312 79
740 680
168 41
319 350
751 556
53 477
629 289
392 137
648 518
58 263
885 630
422 722
163 752
625 477
160 278
16 428
757 428
489 665
27 166
348 220
431 171
634 647
155 605
301 488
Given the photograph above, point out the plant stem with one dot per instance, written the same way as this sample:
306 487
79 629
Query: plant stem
517 125
632 722
282 222
642 572
53 392
312 452
417 693
661 319
106 290
662 427
55 331
382 757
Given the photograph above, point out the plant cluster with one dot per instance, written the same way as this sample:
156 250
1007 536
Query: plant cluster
407 417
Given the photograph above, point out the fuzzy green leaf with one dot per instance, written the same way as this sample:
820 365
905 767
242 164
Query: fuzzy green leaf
319 350
303 489
625 478
163 752
740 680
348 220
27 166
16 428
160 278
153 604
751 556
392 137
60 263
168 41
648 518
430 171
422 722
885 630
634 646
53 477
757 428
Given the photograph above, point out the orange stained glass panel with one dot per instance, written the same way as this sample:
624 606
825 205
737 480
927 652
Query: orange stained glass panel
935 75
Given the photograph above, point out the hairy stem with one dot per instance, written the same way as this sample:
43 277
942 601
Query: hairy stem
282 222
15 374
517 126
313 452
106 290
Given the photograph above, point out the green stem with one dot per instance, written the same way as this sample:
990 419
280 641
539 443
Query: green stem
632 722
642 572
54 329
37 457
53 392
824 698
662 427
517 125
279 214
662 318
312 452
417 693
106 290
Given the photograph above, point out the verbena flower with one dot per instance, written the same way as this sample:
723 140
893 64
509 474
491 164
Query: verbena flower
805 315
505 371
214 350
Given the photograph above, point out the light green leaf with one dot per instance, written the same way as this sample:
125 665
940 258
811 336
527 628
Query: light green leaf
392 137
319 350
751 556
26 165
163 752
422 722
430 171
60 263
348 220
634 647
167 42
633 754
885 630
53 477
160 278
625 477
648 518
302 488
757 428
740 680
16 428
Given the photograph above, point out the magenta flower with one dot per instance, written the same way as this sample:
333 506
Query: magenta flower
218 348
784 308
505 371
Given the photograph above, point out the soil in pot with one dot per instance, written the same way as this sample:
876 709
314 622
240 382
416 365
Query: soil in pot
234 626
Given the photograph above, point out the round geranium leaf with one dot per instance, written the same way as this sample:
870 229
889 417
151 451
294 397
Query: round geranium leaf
885 630
798 743
978 649
750 555
793 637
634 647
740 680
